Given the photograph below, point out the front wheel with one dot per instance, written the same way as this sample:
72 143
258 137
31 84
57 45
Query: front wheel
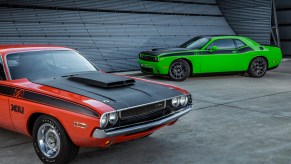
258 67
179 70
51 142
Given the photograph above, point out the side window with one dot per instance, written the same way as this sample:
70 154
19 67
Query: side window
2 72
222 44
239 43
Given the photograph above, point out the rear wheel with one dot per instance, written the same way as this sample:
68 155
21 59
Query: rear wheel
258 67
51 142
179 70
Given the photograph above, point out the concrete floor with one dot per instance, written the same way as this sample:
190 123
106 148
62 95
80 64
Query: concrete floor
236 120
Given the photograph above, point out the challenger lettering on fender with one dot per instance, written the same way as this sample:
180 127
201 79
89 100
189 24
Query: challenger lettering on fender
17 108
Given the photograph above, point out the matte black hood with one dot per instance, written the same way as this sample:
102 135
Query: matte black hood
118 97
158 51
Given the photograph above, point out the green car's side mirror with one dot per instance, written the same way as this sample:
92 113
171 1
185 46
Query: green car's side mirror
213 48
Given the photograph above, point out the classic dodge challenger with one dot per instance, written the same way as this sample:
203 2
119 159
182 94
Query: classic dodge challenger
211 54
62 101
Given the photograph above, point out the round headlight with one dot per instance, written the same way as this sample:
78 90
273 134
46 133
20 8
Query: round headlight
183 100
113 118
175 102
104 121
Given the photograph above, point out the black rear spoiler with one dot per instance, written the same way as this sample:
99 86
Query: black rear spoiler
271 45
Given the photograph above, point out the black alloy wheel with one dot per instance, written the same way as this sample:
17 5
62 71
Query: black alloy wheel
179 70
258 67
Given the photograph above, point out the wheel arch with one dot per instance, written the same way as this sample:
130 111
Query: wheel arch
31 121
188 61
261 57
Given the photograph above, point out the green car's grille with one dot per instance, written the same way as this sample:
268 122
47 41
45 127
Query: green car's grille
148 58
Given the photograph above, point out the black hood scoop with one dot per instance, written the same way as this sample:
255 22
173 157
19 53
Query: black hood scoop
102 80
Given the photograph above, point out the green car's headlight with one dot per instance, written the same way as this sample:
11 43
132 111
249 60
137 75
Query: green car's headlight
156 59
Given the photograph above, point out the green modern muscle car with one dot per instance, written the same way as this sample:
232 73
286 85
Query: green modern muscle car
211 54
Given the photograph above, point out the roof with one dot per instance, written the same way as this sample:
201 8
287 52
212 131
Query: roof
13 48
221 36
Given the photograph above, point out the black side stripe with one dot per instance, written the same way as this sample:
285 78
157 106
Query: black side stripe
46 100
179 54
6 91
239 51
207 52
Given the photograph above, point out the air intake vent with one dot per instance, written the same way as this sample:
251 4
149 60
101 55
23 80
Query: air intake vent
102 80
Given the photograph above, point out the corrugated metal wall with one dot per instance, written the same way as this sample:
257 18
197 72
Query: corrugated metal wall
250 18
109 32
284 21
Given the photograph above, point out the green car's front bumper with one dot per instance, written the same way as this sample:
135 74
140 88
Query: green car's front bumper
155 68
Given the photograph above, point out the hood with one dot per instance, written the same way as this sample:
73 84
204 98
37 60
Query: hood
116 91
158 51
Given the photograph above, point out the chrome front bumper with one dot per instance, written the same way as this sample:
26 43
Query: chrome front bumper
100 133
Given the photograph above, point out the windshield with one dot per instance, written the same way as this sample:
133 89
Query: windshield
195 43
49 63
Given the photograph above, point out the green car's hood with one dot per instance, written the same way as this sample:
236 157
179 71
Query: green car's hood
158 51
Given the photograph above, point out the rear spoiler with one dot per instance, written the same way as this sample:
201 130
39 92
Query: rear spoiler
271 45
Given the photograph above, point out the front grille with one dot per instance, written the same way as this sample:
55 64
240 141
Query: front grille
146 113
148 58
145 69
143 110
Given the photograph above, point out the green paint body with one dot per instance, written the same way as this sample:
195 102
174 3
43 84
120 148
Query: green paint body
205 61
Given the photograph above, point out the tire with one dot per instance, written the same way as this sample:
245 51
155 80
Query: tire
179 70
258 67
51 142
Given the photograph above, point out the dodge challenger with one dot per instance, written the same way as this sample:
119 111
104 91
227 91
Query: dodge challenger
56 96
211 54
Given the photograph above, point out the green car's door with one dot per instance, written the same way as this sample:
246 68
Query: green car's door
220 56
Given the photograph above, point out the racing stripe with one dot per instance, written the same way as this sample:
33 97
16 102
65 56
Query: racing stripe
46 100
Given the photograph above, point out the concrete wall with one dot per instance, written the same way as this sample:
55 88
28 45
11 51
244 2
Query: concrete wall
284 21
250 18
110 33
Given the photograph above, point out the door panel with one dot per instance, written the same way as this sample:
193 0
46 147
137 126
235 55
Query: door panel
224 59
5 118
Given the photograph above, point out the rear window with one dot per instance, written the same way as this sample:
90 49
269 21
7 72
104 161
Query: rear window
239 43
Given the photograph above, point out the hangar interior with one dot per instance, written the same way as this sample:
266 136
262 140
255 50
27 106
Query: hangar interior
111 33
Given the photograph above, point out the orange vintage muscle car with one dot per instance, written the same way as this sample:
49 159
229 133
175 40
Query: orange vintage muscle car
62 101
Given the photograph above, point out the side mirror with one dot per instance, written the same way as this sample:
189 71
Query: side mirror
213 48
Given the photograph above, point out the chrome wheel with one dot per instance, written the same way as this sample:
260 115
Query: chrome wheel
178 71
48 140
259 67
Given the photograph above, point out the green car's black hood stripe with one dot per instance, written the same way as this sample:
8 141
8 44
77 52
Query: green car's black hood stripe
47 100
156 52
117 97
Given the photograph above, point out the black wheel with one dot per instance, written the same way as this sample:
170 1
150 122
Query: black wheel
258 67
179 70
51 142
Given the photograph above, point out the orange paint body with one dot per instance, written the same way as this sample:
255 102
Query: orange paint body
19 122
